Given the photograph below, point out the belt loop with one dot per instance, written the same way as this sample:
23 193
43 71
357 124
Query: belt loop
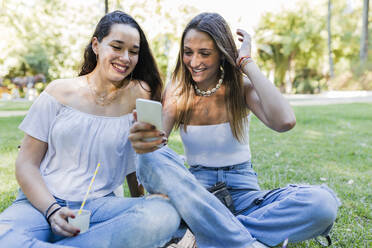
219 174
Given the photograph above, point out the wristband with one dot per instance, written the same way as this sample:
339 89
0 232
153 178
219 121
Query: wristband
50 206
55 210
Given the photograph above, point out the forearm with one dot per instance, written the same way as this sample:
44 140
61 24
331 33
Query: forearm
33 186
135 189
276 108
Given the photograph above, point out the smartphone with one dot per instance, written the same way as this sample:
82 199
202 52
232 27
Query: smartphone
149 111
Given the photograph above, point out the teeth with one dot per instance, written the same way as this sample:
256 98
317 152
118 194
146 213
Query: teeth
199 70
119 67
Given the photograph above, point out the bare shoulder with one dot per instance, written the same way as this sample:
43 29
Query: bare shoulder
62 88
141 89
169 100
170 94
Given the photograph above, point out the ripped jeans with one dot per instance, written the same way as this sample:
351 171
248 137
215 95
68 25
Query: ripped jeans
296 212
145 222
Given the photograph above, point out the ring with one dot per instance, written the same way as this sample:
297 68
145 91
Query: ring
55 226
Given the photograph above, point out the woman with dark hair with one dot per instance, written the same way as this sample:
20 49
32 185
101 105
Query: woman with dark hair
76 124
214 88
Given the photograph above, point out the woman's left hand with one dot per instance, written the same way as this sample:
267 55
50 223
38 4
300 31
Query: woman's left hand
245 49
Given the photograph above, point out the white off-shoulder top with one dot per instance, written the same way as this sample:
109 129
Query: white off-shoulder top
77 142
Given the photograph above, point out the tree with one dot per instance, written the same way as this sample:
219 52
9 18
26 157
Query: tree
289 44
330 59
364 36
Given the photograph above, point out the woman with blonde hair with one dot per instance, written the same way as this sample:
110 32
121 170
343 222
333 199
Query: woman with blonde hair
214 89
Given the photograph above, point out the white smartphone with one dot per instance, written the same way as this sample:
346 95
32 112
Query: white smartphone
149 111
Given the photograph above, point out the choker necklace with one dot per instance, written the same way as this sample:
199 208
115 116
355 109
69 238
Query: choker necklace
210 92
102 100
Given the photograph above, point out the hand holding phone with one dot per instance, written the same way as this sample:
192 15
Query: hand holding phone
149 111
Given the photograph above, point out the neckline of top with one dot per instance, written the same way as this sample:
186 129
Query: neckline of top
82 112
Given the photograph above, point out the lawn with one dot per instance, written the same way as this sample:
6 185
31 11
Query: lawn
330 144
14 105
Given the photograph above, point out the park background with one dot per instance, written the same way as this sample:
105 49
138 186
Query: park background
309 49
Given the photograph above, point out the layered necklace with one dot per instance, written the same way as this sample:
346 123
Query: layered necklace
102 99
210 92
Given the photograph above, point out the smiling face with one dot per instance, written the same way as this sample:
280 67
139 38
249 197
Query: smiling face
201 58
117 52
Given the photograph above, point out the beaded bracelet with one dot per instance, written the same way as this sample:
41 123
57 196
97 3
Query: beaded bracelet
50 206
55 210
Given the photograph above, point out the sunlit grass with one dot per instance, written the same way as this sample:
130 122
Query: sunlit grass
330 144
15 105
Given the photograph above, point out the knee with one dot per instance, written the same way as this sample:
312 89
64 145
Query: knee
160 215
150 173
159 171
323 207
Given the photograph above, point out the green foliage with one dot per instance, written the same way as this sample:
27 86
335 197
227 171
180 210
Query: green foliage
288 42
294 43
40 86
37 60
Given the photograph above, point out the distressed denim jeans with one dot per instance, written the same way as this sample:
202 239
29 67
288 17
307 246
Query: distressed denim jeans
115 222
296 212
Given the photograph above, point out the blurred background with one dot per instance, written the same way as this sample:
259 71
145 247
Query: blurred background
319 53
302 46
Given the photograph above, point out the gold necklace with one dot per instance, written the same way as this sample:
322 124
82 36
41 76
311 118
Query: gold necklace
102 100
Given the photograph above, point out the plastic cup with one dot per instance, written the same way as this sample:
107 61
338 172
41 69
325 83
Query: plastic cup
81 221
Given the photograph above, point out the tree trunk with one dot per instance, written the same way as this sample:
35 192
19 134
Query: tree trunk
364 36
331 73
106 6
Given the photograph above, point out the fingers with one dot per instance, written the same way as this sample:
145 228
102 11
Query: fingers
140 131
243 35
141 126
242 32
145 138
59 224
134 112
145 146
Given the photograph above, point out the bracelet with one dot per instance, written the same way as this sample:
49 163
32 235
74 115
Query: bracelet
55 210
245 62
242 58
50 206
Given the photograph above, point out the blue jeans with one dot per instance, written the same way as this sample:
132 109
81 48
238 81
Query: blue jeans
294 212
115 222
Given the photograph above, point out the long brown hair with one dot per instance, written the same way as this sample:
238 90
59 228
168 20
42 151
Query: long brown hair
146 69
216 27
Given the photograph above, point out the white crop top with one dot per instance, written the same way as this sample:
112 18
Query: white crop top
214 145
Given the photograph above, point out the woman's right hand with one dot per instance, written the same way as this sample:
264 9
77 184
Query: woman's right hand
141 131
59 225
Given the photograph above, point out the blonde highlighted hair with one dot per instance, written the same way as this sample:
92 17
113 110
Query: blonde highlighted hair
216 27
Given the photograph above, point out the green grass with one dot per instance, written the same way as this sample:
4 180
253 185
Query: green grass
14 105
330 144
